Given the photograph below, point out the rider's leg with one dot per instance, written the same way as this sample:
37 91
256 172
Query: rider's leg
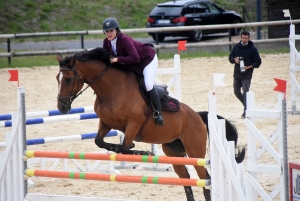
149 77
156 102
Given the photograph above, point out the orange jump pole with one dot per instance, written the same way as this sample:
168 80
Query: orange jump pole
118 178
118 157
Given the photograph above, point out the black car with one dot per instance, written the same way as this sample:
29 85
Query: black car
189 13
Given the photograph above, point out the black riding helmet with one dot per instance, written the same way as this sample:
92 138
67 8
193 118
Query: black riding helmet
110 23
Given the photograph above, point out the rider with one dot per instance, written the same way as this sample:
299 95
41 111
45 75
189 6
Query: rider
141 57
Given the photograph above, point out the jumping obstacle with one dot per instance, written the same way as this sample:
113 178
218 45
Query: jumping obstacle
228 183
12 165
66 138
119 178
12 168
279 157
88 166
227 176
294 57
71 117
118 157
115 157
50 113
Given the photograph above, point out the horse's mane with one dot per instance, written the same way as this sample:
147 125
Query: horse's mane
98 53
66 62
101 54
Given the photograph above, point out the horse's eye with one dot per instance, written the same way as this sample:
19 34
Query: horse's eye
68 80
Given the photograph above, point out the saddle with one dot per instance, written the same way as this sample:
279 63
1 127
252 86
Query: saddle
167 103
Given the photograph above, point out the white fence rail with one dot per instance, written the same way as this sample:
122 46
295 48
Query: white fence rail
294 70
255 137
227 177
12 185
153 30
143 30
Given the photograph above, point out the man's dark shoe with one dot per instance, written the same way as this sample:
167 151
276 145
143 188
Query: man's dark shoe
243 116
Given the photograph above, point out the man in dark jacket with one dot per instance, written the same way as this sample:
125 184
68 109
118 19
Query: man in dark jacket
245 58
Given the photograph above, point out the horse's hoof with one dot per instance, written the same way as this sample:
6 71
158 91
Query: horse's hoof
206 193
149 153
132 145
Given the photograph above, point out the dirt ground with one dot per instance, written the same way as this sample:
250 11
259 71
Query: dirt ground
196 80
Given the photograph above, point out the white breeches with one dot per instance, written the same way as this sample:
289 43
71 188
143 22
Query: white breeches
150 73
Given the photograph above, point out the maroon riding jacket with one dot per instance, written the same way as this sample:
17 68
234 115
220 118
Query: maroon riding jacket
132 52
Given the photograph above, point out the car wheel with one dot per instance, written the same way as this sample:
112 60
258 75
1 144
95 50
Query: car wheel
235 31
196 35
160 38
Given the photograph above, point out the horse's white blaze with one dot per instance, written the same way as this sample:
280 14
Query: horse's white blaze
60 79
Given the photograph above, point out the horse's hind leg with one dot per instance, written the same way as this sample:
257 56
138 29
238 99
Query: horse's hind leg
195 146
176 149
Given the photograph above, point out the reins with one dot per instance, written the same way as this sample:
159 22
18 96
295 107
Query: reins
95 80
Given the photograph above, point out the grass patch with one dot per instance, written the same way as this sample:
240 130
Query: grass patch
29 61
274 51
78 15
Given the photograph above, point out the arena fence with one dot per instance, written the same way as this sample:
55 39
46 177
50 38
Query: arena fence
10 54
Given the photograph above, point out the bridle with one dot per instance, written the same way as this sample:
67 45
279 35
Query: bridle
71 97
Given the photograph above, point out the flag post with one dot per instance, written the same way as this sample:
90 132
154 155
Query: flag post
281 86
218 80
287 14
181 45
14 76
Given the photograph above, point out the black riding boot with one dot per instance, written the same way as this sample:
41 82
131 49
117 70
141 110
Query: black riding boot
156 102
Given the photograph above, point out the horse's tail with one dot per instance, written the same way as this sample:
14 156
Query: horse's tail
231 135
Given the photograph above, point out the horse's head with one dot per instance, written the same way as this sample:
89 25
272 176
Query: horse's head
69 83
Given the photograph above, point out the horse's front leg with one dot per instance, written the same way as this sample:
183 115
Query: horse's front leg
99 140
102 131
132 130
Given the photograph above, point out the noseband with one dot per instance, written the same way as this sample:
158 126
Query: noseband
71 98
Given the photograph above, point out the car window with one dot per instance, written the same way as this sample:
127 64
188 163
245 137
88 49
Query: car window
166 10
212 8
190 9
200 8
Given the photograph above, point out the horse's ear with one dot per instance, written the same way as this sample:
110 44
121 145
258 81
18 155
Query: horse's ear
59 57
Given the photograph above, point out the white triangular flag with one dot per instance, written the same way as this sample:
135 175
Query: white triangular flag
286 13
218 79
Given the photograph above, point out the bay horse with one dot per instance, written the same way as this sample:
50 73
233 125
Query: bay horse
120 105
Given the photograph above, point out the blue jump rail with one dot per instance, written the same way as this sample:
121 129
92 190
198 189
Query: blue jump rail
84 136
61 118
5 117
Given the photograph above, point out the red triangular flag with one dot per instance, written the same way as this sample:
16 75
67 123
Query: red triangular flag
14 75
281 85
181 45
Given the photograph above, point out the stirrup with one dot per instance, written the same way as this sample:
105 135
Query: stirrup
158 119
